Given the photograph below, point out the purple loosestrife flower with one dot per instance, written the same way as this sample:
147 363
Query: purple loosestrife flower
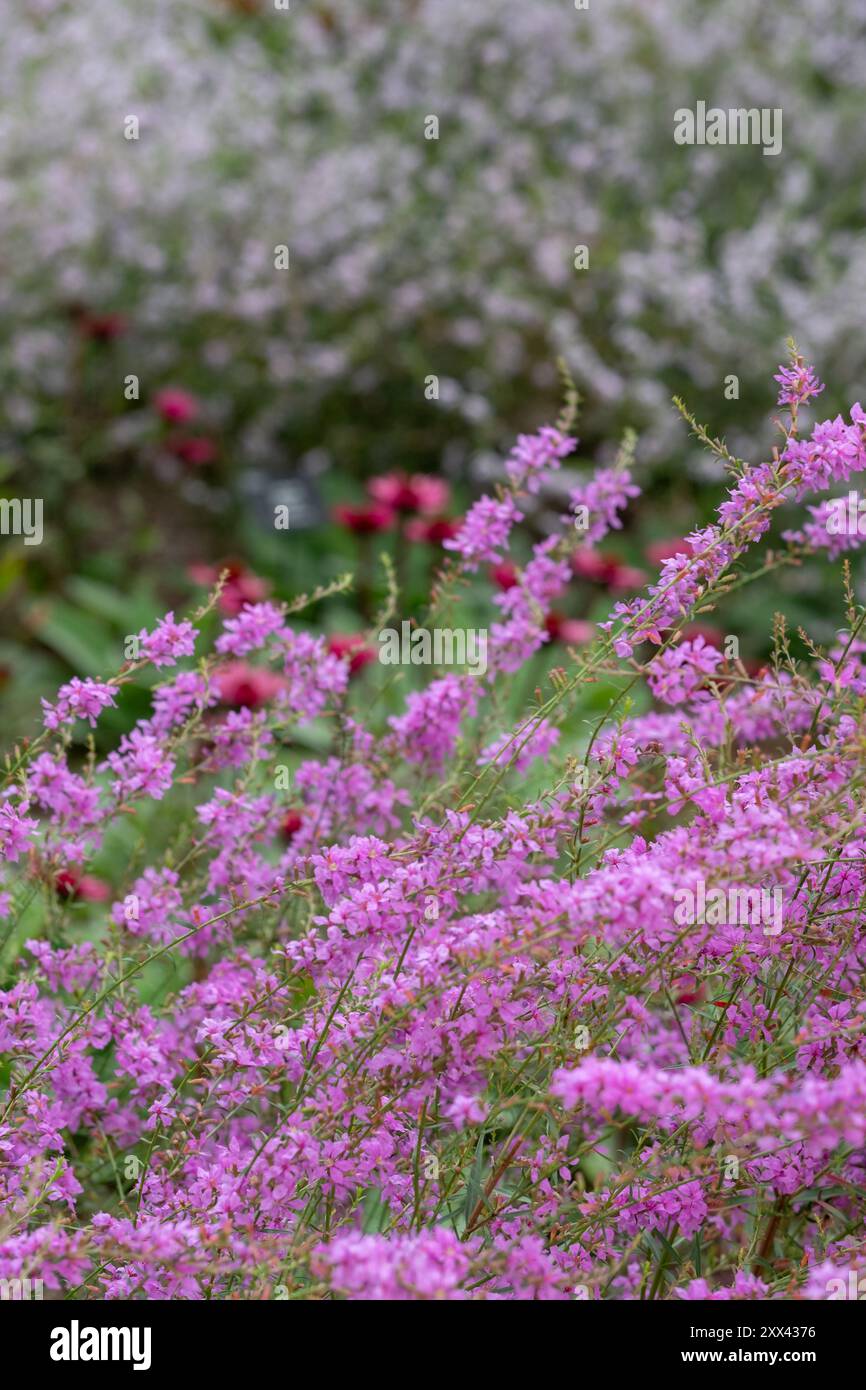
168 642
78 699
536 586
16 829
823 532
605 495
427 733
251 629
415 988
175 701
536 454
484 533
524 747
142 767
64 793
431 1265
830 455
798 384
314 678
153 908
675 674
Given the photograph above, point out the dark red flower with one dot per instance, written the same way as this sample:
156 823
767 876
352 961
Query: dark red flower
242 586
504 575
570 631
244 686
72 883
601 568
366 520
688 990
197 450
102 328
419 493
443 528
291 824
352 645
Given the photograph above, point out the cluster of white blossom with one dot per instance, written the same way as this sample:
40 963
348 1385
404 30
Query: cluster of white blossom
411 256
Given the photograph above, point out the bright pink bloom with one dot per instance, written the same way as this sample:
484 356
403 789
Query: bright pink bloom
176 406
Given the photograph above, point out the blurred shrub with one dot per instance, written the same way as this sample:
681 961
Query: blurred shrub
410 256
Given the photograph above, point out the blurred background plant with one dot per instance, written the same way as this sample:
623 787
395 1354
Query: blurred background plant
164 381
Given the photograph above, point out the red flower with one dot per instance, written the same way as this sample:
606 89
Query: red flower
688 990
351 644
366 520
504 575
419 493
571 631
241 586
102 328
72 883
601 568
176 407
292 822
245 686
443 528
197 450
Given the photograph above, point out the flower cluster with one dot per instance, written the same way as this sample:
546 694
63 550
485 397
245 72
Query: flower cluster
421 1015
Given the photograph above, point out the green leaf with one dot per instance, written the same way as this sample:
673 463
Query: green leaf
473 1187
79 638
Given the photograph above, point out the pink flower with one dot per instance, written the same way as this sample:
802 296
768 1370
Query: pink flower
798 383
678 672
78 699
366 520
484 532
536 454
465 1110
599 501
197 450
15 830
572 632
176 406
435 532
251 630
291 824
608 570
168 641
102 328
401 493
247 686
72 883
241 586
504 575
353 646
